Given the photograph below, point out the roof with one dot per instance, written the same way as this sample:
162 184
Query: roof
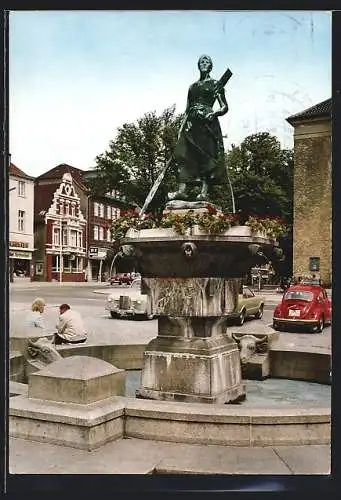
58 172
321 110
43 196
14 170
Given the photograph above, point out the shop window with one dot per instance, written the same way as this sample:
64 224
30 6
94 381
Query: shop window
101 233
95 232
21 220
21 188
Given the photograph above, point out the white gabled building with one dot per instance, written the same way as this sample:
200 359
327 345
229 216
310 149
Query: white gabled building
21 235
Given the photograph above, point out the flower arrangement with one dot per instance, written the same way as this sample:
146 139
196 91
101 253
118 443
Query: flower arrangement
212 221
272 226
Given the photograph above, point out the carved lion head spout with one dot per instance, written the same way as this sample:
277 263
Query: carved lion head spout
189 249
249 345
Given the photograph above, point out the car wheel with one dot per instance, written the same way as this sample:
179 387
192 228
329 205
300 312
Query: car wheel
320 325
259 313
241 318
113 314
276 327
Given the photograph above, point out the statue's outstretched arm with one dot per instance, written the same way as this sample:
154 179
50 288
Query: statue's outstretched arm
222 103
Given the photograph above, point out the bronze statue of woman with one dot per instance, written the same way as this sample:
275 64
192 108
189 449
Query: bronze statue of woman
199 153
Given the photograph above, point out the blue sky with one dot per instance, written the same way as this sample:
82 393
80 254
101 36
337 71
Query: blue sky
75 76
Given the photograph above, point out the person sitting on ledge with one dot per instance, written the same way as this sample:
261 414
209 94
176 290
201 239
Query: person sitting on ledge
35 318
70 329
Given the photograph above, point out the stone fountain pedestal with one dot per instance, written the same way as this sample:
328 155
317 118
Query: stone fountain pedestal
192 282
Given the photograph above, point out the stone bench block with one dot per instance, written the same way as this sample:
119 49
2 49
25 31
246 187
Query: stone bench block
77 379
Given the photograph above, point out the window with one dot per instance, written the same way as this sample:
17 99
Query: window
108 212
73 238
101 210
108 235
65 238
95 232
96 209
73 210
21 188
298 295
101 233
56 236
21 220
115 213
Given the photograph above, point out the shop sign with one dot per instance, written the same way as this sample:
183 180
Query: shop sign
93 250
19 244
16 254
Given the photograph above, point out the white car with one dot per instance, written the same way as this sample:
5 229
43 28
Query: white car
130 302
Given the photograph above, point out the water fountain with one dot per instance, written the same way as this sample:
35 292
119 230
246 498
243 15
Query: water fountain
192 282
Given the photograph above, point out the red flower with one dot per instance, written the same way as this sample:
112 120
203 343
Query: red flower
211 210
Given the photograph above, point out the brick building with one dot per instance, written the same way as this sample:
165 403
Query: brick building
91 217
312 192
59 227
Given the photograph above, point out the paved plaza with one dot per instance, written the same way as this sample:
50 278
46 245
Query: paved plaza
138 456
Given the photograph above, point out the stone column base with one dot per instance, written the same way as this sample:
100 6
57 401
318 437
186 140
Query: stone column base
205 370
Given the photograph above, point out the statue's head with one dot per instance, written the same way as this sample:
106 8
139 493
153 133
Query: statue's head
205 63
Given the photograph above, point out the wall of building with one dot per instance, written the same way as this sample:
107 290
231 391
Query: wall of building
21 241
39 256
312 198
100 215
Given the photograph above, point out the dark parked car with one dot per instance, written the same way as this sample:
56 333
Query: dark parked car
303 306
121 279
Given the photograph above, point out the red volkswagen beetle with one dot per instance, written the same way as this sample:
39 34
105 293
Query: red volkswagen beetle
303 306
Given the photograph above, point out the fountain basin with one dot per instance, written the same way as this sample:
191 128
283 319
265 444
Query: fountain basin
263 424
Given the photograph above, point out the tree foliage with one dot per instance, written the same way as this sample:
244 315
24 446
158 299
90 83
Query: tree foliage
136 156
262 176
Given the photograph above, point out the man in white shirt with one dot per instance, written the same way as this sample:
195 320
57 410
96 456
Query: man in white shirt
70 329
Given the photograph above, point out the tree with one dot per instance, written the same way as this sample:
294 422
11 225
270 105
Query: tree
135 158
261 174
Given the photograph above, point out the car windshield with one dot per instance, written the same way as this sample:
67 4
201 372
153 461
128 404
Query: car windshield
299 295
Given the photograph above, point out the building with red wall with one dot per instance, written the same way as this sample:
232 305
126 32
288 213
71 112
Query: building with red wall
59 230
84 212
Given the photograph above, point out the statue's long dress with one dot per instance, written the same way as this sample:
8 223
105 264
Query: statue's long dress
200 150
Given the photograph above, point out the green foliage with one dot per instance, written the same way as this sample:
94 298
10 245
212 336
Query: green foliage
135 158
262 176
